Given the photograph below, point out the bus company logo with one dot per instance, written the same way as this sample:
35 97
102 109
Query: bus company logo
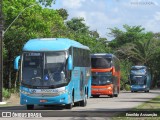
33 91
49 90
6 114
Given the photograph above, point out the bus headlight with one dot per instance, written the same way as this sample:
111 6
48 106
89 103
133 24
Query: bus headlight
109 88
24 92
144 86
62 92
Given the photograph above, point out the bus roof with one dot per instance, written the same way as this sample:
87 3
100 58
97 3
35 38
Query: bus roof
97 55
51 44
136 67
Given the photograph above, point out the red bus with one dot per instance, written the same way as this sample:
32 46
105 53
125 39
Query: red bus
105 75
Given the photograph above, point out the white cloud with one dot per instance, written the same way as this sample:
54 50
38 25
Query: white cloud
152 24
72 4
102 14
157 16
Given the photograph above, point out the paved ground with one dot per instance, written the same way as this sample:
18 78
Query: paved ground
124 102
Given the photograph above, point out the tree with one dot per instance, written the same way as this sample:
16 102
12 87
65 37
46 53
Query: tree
77 25
63 12
34 22
47 2
129 35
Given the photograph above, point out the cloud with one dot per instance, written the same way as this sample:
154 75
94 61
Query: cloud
102 14
152 24
157 16
72 4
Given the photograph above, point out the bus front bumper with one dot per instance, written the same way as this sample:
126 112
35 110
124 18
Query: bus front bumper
40 100
102 90
139 88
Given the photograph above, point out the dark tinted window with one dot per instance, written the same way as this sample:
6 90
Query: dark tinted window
81 57
101 62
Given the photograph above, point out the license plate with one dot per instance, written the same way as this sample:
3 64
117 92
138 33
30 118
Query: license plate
42 101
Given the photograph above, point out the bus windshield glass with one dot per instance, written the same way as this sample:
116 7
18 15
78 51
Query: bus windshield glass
101 63
138 80
100 78
138 71
43 69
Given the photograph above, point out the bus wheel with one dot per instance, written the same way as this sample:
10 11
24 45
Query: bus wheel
111 96
95 96
115 95
30 107
83 103
69 106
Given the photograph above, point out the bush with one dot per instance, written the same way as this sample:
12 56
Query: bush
6 94
15 90
127 87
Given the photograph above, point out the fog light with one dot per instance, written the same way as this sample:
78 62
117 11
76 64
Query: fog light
62 99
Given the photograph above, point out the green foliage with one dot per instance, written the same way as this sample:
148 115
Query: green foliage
47 2
132 45
129 35
127 87
77 25
6 94
63 13
14 90
125 66
33 21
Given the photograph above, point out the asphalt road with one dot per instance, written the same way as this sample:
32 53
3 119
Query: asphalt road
124 102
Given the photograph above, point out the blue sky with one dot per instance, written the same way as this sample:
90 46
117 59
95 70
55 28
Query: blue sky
102 14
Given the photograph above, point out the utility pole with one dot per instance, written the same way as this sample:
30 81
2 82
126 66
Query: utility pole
1 50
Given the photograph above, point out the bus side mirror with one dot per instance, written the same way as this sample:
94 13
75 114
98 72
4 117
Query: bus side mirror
113 71
70 63
16 61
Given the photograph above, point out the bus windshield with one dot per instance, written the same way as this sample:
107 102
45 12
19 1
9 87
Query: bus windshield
43 69
100 78
138 71
138 80
101 62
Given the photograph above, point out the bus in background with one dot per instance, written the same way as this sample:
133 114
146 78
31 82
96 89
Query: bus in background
140 78
105 75
54 71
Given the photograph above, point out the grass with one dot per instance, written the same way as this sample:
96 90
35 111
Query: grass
152 106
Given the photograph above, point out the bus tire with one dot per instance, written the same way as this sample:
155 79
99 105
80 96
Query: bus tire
30 107
70 106
111 96
115 95
83 103
95 96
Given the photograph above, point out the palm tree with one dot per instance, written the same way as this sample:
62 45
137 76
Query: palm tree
144 52
140 52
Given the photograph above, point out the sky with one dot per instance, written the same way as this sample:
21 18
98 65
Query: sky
103 14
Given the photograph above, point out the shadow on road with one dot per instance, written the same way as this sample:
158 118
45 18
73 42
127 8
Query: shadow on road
102 96
51 107
157 91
